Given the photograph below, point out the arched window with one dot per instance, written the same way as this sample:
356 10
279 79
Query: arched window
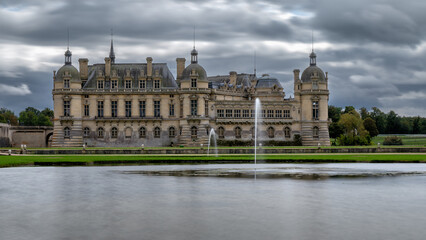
172 132
193 132
86 132
157 132
67 132
271 132
237 132
142 132
221 132
315 132
253 132
100 132
114 132
287 132
128 132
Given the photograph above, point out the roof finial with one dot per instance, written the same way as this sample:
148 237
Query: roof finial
312 40
68 38
194 36
111 51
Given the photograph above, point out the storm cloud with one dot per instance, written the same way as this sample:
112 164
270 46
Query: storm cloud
373 50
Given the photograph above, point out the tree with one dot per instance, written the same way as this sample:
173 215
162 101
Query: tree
7 116
364 113
355 133
416 125
334 113
349 109
393 124
380 118
33 117
371 127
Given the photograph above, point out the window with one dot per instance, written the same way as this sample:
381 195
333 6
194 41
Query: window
221 132
142 132
157 132
287 114
142 84
128 84
206 108
156 84
86 132
181 108
228 113
156 108
237 113
100 132
114 112
271 132
86 110
287 132
142 108
252 113
66 83
270 113
67 132
194 106
171 109
237 132
86 96
114 83
114 132
100 108
263 113
100 84
246 113
220 113
172 132
315 132
128 108
193 82
278 113
193 132
67 106
253 132
315 110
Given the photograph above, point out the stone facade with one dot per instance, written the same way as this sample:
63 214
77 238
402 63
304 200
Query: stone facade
116 104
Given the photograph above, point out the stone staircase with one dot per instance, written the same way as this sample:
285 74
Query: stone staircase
75 139
186 140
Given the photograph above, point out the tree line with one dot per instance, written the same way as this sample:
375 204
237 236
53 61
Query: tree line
29 117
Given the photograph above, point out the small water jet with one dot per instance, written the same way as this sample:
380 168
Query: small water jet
212 134
257 119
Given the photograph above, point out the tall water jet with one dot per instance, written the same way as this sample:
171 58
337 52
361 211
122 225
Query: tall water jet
257 119
212 134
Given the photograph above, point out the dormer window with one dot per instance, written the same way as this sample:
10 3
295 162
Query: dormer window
157 84
142 84
128 83
114 84
193 82
100 84
66 83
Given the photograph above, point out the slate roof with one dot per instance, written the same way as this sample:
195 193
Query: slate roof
267 82
306 75
243 79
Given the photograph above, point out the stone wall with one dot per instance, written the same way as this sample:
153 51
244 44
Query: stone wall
32 136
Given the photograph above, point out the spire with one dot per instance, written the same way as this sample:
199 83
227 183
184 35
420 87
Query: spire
254 62
68 53
313 56
111 51
194 53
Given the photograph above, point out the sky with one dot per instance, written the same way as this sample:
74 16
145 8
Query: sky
373 50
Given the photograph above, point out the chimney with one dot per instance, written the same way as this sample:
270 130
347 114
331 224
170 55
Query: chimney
180 62
296 75
107 67
233 78
149 66
84 71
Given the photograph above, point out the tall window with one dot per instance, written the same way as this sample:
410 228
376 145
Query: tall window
86 110
67 106
228 113
278 113
193 82
156 108
67 132
287 132
220 113
237 132
172 132
271 132
142 132
114 83
206 108
100 132
171 109
114 132
315 132
157 132
270 113
114 112
128 106
100 84
253 132
142 108
246 113
287 113
194 106
86 132
156 84
193 132
128 83
237 113
181 108
100 108
66 83
142 84
315 110
263 113
221 132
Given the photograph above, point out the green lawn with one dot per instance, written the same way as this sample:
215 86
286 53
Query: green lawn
28 160
407 140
